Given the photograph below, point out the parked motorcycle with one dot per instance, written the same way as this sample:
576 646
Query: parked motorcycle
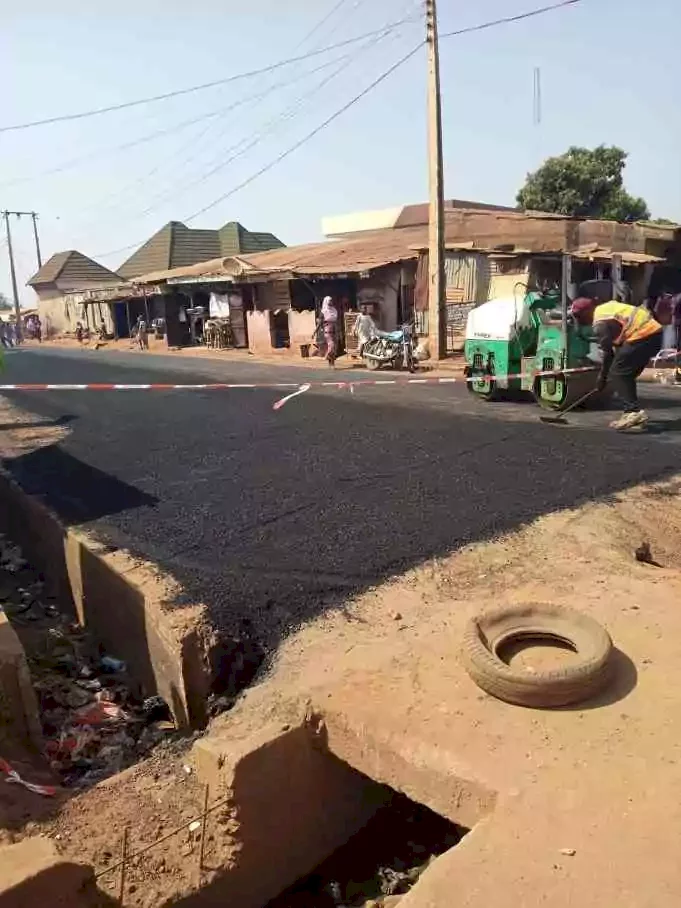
391 348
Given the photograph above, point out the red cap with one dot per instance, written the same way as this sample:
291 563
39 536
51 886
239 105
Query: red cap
582 305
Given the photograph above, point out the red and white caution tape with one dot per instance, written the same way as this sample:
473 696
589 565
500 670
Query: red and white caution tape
224 386
14 778
294 387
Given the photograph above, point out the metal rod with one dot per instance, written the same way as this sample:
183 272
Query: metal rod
163 838
124 855
204 824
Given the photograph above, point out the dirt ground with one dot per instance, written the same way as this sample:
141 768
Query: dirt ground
585 813
282 357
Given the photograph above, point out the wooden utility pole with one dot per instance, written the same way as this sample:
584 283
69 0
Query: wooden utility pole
13 275
436 223
34 218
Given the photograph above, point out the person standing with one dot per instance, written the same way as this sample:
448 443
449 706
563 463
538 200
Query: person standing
329 324
629 337
364 328
142 333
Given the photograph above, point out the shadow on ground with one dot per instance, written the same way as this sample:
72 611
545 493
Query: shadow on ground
273 518
77 492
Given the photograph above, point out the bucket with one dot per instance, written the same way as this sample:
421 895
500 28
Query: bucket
305 351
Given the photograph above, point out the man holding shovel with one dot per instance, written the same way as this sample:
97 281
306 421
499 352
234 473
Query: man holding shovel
629 337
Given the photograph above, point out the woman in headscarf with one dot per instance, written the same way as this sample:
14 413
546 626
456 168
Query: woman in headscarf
329 323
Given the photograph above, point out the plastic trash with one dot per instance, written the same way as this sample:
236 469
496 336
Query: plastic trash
112 665
101 712
13 777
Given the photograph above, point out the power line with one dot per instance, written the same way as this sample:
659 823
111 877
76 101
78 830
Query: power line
506 19
206 85
376 82
322 22
105 152
256 96
240 148
341 110
310 135
474 28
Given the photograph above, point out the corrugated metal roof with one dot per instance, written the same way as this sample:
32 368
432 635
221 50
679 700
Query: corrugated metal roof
605 253
483 231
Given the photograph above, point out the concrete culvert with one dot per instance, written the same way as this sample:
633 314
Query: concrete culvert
380 862
490 635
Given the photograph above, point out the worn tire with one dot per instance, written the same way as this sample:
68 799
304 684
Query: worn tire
487 633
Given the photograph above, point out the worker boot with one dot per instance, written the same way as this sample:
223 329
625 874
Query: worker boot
634 420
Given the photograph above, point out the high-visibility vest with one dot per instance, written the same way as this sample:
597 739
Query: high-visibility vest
637 323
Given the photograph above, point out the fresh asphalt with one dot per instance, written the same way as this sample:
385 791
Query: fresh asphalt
272 517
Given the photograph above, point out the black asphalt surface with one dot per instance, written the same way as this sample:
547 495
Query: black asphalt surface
271 517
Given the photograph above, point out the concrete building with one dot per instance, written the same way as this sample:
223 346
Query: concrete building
64 273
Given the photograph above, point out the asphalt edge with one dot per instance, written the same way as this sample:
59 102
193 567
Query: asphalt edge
124 601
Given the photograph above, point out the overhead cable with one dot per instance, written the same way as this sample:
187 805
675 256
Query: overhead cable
81 115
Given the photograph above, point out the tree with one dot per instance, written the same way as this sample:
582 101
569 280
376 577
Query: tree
583 182
5 305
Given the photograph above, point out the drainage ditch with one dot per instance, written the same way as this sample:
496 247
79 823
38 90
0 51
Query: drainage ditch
95 722
379 863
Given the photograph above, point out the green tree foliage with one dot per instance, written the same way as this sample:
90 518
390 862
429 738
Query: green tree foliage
583 182
5 305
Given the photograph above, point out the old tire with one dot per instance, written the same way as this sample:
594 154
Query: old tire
486 634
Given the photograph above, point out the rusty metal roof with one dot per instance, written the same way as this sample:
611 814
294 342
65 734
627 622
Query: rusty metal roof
491 232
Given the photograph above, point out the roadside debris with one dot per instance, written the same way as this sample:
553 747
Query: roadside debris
14 778
94 723
643 554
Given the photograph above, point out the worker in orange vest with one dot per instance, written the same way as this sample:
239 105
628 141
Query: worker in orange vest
629 337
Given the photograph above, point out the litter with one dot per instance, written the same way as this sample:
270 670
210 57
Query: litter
112 665
101 712
14 778
194 826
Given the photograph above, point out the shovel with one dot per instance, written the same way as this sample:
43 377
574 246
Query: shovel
560 419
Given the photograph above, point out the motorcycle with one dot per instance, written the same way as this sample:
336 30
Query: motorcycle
391 348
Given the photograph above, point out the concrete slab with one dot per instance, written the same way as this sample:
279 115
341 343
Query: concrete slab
19 721
122 601
32 873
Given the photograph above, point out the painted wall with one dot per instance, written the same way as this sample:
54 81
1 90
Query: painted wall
301 327
259 332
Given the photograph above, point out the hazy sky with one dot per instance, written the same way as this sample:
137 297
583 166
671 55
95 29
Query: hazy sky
608 71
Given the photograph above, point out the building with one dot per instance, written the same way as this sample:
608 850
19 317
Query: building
489 251
271 297
176 246
345 225
62 274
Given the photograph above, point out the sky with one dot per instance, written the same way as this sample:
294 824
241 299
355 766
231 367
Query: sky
105 183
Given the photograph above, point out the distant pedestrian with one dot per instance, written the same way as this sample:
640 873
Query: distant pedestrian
329 324
79 332
142 332
3 334
364 329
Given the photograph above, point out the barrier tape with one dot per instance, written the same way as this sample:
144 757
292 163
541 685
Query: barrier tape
295 388
224 386
13 777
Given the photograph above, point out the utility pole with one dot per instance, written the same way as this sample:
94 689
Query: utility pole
13 275
436 221
34 218
12 270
